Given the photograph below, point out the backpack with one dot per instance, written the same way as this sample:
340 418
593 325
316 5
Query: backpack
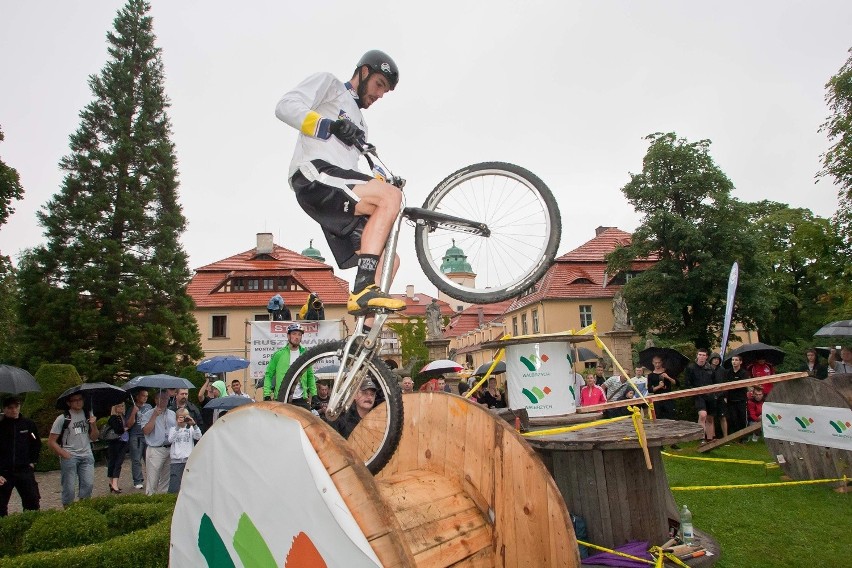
67 421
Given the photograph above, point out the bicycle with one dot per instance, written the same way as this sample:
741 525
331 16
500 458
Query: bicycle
510 230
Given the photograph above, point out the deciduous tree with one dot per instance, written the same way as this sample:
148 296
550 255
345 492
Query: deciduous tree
696 230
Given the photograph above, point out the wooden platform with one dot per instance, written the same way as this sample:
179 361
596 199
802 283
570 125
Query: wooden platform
603 477
469 491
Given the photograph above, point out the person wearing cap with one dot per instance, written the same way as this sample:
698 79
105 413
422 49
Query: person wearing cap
20 447
363 403
280 363
355 210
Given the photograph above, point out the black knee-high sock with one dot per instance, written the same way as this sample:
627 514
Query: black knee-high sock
367 265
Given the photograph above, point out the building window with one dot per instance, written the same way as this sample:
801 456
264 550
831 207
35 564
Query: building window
535 321
515 326
238 285
524 330
253 284
219 327
269 284
585 316
261 317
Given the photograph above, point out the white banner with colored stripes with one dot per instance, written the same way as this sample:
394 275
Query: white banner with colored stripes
826 426
539 378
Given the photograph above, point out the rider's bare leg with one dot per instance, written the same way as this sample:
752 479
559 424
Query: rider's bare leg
369 321
380 202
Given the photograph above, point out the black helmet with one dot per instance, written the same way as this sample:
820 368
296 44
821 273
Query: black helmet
380 62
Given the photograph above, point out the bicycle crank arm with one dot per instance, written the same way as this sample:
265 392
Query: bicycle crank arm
434 220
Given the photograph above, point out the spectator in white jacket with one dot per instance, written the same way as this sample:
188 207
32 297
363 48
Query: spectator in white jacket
182 438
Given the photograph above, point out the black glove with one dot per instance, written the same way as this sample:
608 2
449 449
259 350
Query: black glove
346 131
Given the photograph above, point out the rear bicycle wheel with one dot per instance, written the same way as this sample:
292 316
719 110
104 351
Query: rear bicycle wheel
377 435
524 231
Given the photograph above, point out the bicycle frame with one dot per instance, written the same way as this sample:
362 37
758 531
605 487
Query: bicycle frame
346 383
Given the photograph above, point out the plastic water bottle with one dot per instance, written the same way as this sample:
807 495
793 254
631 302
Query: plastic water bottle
687 533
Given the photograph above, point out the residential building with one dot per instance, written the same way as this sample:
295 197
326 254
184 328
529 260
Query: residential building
233 291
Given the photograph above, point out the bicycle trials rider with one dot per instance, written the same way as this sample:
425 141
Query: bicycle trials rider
356 211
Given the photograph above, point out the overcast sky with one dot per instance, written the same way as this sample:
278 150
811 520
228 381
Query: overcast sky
566 89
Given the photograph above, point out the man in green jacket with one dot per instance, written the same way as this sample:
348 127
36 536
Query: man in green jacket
280 363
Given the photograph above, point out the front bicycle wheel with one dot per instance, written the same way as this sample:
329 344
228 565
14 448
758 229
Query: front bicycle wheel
377 435
524 228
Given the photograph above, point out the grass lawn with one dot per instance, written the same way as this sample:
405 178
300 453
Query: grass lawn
795 526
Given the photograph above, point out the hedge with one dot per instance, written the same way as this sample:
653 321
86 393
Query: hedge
129 517
14 527
141 549
69 528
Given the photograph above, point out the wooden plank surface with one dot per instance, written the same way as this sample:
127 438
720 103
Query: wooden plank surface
750 429
619 435
721 387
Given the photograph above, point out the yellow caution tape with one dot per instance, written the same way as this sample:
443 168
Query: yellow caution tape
582 426
723 460
655 552
756 485
490 370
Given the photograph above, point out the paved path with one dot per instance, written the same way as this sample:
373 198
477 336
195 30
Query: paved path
50 487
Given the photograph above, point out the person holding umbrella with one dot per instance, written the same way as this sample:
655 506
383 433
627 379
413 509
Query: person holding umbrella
20 447
71 438
844 364
155 426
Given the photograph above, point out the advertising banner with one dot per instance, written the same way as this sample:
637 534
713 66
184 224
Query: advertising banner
293 515
267 337
733 279
826 426
539 378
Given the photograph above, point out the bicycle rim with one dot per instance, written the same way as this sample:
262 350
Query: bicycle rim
525 226
376 437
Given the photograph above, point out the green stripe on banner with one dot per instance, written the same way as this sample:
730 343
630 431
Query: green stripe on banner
212 546
250 545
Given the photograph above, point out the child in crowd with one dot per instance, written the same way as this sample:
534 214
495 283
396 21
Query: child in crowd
754 407
182 438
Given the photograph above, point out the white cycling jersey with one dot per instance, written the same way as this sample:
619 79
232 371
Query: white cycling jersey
311 108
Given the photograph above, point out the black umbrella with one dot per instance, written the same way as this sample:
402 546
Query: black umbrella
15 381
583 354
158 382
228 402
841 328
482 369
754 351
99 398
674 362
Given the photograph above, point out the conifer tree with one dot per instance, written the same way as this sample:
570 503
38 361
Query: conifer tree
107 292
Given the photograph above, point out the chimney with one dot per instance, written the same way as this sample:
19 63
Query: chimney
601 229
480 314
264 243
409 290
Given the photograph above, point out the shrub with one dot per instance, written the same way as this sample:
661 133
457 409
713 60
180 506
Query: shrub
105 503
13 528
195 376
129 517
41 406
141 549
72 527
47 460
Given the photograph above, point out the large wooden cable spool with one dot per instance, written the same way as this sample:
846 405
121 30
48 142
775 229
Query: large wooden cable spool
463 489
804 461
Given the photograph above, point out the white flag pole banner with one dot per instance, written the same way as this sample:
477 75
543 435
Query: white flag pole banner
267 337
733 279
826 426
293 516
539 378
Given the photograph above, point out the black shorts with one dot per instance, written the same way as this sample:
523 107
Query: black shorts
706 402
325 193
